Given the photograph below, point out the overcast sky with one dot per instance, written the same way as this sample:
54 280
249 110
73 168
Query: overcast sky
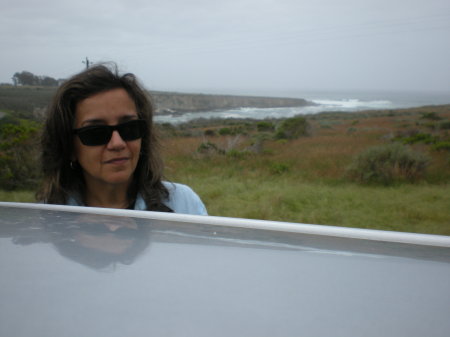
234 46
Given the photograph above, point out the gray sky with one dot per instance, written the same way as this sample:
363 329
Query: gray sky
235 46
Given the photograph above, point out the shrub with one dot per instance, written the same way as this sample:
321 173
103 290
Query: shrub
209 148
236 154
443 145
232 131
387 164
19 167
265 126
431 125
226 131
445 125
431 115
399 135
210 133
257 145
167 129
279 168
293 128
425 138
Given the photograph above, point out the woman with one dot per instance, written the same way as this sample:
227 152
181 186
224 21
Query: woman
99 148
98 242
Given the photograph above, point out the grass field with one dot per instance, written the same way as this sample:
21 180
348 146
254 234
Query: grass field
17 196
304 180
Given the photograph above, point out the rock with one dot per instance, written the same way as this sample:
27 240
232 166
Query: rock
169 103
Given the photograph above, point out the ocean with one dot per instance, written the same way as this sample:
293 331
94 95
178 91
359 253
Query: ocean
326 101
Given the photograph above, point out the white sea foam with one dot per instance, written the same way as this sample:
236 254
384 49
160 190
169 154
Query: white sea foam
325 102
353 103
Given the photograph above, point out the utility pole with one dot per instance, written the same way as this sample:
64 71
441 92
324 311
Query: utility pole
86 62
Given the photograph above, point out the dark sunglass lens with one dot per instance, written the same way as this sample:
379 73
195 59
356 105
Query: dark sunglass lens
131 130
101 135
95 136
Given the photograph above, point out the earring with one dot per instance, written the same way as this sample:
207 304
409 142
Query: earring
72 165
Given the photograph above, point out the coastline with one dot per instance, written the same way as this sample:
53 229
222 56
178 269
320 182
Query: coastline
168 103
280 113
177 107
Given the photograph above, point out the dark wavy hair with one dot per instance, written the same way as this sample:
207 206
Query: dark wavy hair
60 180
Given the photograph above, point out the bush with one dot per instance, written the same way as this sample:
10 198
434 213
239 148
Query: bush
236 154
425 138
431 115
210 133
167 129
445 125
209 148
293 128
265 126
226 131
19 166
387 164
279 168
443 145
257 145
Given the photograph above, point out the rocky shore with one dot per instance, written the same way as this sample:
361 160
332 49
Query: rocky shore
170 103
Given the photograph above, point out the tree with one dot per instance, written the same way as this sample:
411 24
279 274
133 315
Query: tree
28 78
47 81
25 78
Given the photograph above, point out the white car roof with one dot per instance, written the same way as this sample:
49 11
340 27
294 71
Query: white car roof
79 271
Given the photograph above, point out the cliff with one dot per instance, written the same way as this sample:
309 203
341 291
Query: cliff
169 102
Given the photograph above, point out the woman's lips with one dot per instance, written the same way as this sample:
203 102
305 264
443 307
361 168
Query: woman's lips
117 161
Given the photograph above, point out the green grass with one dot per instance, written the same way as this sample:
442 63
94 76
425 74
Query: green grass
17 196
406 208
237 188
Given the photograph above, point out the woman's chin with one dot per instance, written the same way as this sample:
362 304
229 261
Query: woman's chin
118 179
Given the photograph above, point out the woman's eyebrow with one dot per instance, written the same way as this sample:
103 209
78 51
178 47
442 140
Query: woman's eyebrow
128 118
93 121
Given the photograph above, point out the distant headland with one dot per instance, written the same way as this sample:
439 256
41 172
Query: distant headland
170 102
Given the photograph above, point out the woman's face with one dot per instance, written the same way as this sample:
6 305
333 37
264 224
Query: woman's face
115 162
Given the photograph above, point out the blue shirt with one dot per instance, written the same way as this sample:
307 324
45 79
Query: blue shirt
182 199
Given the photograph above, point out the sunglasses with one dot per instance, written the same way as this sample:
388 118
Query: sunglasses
94 135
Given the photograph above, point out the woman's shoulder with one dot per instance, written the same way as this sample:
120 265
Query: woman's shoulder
182 199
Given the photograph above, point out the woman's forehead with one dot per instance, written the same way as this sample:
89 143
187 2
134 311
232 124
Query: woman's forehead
111 105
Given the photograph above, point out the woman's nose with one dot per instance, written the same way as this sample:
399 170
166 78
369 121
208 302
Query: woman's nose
116 141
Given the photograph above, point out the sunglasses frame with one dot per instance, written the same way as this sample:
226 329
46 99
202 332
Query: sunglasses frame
89 131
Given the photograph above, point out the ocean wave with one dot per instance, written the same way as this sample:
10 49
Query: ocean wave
353 103
323 103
